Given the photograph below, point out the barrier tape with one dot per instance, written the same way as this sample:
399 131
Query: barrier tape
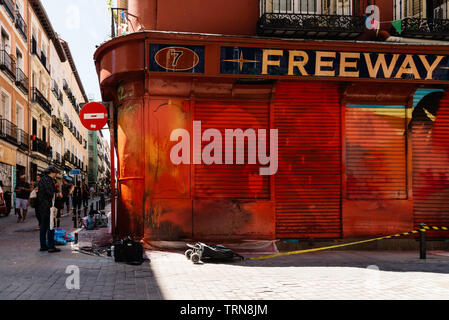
423 229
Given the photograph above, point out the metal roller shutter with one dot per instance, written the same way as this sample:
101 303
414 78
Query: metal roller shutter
376 164
431 165
308 182
231 181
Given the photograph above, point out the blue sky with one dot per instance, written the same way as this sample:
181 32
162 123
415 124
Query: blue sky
83 24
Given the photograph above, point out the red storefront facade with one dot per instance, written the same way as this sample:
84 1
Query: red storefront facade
362 135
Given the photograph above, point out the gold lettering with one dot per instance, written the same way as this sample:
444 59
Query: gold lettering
320 64
292 63
347 64
266 62
408 61
388 70
430 68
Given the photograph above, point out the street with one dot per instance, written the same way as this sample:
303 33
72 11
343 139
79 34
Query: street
28 274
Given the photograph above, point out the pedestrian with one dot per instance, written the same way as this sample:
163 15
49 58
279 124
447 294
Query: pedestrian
59 204
22 190
2 197
67 190
33 201
85 198
92 191
77 199
46 195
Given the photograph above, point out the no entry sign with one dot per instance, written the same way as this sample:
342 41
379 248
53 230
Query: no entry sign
94 116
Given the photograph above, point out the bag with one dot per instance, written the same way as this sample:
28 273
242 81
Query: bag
33 199
210 253
129 251
53 214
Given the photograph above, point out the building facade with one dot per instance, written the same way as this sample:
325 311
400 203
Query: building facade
33 63
99 173
354 92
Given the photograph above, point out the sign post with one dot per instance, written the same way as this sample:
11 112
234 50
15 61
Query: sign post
94 116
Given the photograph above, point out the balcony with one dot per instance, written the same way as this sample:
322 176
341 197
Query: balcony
8 131
21 26
56 91
311 19
67 156
8 64
57 125
42 147
22 81
39 98
56 158
23 140
428 19
9 7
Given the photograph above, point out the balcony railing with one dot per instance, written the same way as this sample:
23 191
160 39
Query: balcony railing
23 139
338 19
39 98
8 64
22 81
8 131
119 18
9 7
21 26
42 147
57 125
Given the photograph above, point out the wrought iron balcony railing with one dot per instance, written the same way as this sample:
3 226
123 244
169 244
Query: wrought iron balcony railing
57 125
9 7
8 131
21 26
23 139
42 147
39 98
8 64
22 81
337 19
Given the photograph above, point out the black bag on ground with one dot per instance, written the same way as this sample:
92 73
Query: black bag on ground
129 251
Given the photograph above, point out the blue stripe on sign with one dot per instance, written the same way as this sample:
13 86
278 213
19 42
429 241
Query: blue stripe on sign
374 106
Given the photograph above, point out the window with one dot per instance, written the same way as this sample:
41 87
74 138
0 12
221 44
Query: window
283 6
20 117
44 134
34 127
5 106
19 7
306 6
5 41
19 59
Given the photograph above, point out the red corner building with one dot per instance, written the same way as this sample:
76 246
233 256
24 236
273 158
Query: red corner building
358 91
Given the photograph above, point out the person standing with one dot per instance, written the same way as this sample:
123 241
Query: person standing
85 198
22 190
47 192
33 201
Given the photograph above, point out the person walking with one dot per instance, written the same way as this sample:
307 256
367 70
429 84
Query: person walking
67 190
85 198
77 199
47 192
22 190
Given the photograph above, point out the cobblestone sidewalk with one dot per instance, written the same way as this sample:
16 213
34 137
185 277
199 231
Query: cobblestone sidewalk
26 273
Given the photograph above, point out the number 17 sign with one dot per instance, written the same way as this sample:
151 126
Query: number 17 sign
94 116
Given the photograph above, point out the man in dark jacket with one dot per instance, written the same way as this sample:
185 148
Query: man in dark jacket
47 190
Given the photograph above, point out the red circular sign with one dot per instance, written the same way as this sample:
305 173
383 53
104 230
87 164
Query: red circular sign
94 116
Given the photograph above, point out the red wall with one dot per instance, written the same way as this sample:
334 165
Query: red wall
232 17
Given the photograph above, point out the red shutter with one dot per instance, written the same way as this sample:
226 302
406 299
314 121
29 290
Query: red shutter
231 181
376 164
308 182
431 169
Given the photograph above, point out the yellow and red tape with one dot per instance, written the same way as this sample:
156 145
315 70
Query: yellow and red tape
423 229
